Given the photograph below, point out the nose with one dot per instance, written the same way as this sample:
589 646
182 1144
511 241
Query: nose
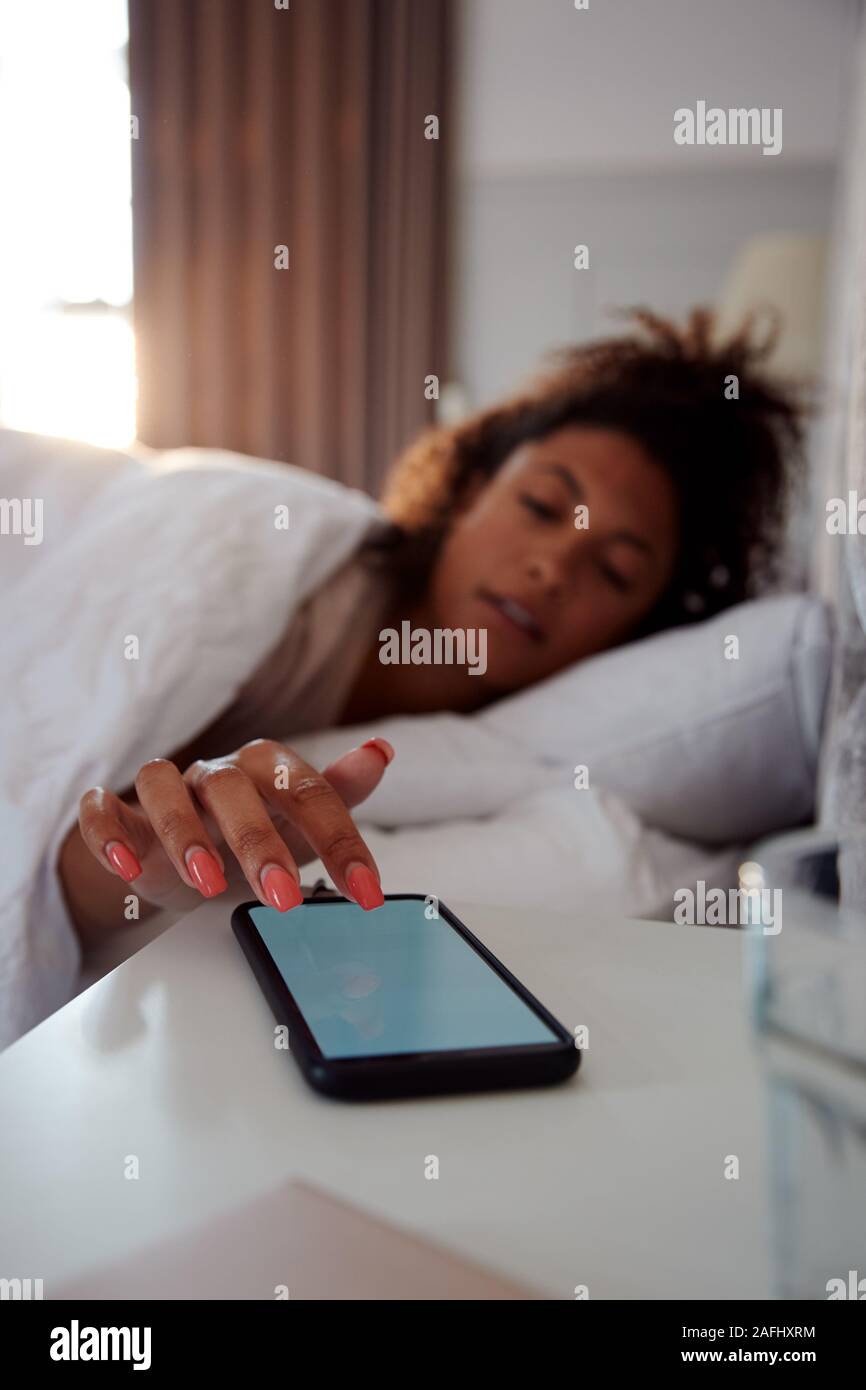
546 570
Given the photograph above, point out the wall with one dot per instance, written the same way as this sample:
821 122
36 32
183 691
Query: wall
566 135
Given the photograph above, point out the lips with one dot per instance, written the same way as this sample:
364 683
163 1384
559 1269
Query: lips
515 613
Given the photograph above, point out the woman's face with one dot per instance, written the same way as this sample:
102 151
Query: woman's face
561 554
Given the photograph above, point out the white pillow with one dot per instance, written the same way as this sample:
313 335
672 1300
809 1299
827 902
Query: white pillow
708 748
703 745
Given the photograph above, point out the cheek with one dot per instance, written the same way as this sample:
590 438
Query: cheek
463 565
492 531
472 539
455 569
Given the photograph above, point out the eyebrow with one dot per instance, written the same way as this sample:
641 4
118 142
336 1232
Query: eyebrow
628 537
567 477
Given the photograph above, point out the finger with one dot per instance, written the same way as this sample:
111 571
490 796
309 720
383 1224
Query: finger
165 800
354 776
310 803
105 831
232 799
357 774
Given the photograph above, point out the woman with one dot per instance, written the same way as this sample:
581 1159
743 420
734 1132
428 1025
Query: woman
639 485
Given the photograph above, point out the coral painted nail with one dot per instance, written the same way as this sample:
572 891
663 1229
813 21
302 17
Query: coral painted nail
123 860
205 873
364 887
281 890
382 746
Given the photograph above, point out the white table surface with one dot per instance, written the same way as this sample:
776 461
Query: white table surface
614 1180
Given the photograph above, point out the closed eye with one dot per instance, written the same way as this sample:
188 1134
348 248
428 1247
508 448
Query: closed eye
614 577
540 509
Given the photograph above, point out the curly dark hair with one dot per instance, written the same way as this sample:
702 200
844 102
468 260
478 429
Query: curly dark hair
733 460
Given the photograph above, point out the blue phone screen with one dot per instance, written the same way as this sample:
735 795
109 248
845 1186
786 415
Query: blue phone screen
392 980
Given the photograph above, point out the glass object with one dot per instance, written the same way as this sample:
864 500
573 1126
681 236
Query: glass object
808 990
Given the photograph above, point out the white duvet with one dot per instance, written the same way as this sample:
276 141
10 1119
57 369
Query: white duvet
180 552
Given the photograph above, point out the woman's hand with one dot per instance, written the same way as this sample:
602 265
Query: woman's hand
263 804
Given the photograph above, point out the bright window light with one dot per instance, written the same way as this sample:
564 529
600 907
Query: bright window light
67 353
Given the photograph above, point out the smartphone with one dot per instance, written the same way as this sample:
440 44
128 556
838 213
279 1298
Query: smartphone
401 1001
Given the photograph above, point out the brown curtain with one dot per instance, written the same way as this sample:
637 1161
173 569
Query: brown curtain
303 127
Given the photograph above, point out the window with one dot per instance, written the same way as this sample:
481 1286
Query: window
67 357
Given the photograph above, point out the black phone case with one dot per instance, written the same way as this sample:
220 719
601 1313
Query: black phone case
414 1073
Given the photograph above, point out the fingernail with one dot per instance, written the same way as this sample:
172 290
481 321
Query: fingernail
364 887
281 890
382 746
205 872
123 860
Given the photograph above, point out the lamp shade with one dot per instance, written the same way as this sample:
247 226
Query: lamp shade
786 271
